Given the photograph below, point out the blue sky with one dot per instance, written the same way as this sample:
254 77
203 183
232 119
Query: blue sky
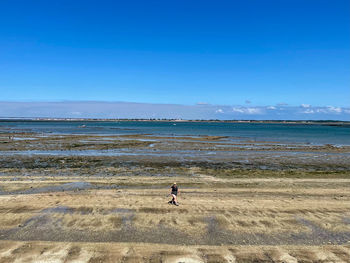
247 53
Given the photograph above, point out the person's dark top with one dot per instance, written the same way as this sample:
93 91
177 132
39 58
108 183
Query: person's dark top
174 190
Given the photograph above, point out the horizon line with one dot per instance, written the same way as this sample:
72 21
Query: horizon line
161 119
280 104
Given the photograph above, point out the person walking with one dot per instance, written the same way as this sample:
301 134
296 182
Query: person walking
174 192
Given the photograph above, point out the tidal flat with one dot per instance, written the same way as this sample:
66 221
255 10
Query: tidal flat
93 198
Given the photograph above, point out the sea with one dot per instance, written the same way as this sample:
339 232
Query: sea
314 134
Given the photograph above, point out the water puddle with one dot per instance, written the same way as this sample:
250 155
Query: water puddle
188 154
24 139
64 187
346 220
122 210
73 186
58 209
83 210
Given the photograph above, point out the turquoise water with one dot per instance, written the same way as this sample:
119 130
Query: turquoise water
283 133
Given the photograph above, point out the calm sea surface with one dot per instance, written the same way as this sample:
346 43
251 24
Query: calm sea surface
284 133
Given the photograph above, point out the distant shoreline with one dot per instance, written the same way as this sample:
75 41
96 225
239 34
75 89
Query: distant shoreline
322 122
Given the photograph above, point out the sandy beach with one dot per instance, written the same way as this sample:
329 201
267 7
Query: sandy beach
85 198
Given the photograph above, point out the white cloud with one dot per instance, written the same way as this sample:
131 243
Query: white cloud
308 111
324 110
305 105
219 111
245 110
271 108
254 111
202 103
321 110
334 109
240 110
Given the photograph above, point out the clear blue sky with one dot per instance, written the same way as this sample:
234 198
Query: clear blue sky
183 52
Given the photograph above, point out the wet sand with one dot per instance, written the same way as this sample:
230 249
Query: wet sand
92 208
